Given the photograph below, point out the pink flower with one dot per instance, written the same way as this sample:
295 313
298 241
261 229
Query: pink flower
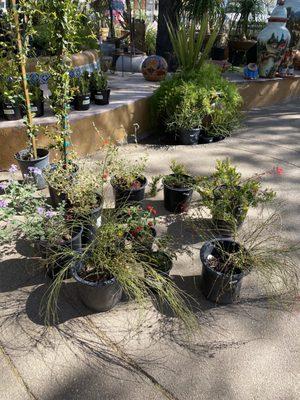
279 170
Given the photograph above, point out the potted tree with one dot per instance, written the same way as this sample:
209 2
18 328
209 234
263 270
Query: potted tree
261 249
82 98
228 196
99 88
31 160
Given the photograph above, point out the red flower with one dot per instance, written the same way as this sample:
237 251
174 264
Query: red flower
279 170
151 210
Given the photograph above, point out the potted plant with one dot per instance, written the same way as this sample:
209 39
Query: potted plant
178 188
228 196
212 102
141 227
19 18
99 88
82 99
29 216
261 249
108 268
10 91
128 180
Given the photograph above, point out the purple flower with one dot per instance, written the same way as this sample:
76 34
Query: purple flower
13 168
35 170
3 185
40 210
50 214
3 203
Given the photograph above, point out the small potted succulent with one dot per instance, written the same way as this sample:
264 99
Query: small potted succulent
228 196
82 99
262 249
141 232
99 88
128 181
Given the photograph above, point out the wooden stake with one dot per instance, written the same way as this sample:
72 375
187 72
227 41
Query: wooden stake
23 75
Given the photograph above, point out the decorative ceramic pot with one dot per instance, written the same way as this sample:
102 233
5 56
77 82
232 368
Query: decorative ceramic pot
273 41
251 71
293 25
155 68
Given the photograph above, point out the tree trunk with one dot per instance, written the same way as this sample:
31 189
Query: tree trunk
168 10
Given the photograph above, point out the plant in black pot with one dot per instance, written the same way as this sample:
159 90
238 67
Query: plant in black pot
10 91
178 188
228 196
141 227
32 160
261 249
82 193
99 88
108 268
27 215
128 180
81 86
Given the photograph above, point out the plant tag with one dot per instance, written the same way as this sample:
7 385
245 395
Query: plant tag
34 109
9 112
86 102
99 96
99 221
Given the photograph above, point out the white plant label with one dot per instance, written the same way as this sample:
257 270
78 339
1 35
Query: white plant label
8 112
99 96
86 102
99 222
34 109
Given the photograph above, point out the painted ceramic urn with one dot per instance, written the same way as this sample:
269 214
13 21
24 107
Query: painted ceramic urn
273 42
293 25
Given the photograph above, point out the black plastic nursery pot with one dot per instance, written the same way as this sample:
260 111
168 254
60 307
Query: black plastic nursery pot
161 262
33 168
11 112
99 295
82 102
218 287
101 97
189 136
129 196
45 250
177 200
204 138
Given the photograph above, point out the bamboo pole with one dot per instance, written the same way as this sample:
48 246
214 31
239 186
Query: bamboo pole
23 75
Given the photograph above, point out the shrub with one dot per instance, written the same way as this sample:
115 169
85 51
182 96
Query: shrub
202 99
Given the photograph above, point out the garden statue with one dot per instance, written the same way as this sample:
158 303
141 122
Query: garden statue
251 71
273 42
155 68
293 25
